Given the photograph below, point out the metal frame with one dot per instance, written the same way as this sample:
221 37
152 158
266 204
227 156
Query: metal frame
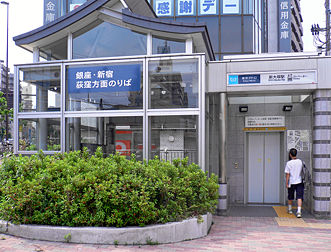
145 112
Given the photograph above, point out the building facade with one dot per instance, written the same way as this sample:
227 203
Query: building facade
118 77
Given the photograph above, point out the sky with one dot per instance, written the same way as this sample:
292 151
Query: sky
26 15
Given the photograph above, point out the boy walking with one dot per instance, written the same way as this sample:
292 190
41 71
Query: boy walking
294 181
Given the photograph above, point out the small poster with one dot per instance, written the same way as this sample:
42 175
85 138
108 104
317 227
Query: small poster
298 139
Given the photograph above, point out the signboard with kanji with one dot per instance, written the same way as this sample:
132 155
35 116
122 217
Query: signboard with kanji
208 7
114 78
185 7
284 25
50 11
163 8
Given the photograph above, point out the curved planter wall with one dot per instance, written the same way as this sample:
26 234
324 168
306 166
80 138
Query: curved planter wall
163 233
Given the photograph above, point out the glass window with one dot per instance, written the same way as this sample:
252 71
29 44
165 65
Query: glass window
73 4
213 30
231 7
230 34
95 41
104 87
117 134
55 51
165 46
39 89
248 6
174 137
248 33
39 134
173 84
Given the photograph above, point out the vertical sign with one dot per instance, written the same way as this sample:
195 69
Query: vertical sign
284 25
163 8
208 7
50 11
230 6
185 7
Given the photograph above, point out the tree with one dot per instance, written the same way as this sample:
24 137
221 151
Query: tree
4 111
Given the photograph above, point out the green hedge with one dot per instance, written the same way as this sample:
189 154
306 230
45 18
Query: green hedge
77 189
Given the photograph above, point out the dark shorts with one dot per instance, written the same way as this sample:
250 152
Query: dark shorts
298 188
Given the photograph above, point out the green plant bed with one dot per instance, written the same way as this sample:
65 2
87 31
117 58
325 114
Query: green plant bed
79 189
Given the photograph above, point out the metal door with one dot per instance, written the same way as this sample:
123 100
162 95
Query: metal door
264 167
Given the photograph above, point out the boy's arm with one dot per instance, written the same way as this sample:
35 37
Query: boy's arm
287 179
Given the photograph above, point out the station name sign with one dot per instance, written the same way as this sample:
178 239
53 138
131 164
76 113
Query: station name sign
273 78
112 78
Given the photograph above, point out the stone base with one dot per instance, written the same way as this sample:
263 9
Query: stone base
154 234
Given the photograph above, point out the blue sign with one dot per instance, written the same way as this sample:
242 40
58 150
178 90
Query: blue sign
208 7
50 11
163 8
244 79
90 79
185 7
284 25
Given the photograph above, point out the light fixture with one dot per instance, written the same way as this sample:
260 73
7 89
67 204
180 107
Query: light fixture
287 108
243 108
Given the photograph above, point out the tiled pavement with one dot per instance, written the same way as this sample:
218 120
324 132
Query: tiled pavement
234 233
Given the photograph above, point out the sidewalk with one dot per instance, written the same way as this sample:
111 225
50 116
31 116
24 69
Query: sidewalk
234 233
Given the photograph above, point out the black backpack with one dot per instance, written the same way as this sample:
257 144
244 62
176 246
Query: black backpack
305 174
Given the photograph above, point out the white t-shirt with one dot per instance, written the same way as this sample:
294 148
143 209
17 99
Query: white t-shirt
293 167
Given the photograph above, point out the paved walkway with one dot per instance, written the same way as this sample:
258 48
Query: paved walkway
234 233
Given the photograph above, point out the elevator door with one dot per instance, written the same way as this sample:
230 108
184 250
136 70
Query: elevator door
264 167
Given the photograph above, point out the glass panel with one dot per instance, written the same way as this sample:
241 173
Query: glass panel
213 30
248 6
165 46
174 137
104 87
55 51
173 83
40 89
248 33
73 4
95 41
118 134
39 133
231 7
230 34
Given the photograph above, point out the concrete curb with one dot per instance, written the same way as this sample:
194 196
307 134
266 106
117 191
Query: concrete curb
154 234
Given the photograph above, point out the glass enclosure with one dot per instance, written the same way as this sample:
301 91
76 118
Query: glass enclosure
147 106
166 46
173 84
117 134
39 89
173 137
39 134
94 41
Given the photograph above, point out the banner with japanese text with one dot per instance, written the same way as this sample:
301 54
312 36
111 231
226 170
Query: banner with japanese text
112 78
284 25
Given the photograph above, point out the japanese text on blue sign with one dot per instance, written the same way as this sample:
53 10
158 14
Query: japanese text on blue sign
244 79
50 11
284 25
104 78
163 8
186 7
208 7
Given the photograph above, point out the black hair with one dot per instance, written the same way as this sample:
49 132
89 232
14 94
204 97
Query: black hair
293 153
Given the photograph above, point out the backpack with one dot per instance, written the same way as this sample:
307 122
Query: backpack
305 174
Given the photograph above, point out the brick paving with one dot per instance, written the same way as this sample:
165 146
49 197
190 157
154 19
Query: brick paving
227 234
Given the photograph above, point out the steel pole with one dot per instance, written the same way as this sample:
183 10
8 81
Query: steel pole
7 68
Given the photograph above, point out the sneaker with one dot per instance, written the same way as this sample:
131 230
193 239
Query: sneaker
298 215
289 211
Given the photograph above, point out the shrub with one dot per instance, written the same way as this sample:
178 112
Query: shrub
77 189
